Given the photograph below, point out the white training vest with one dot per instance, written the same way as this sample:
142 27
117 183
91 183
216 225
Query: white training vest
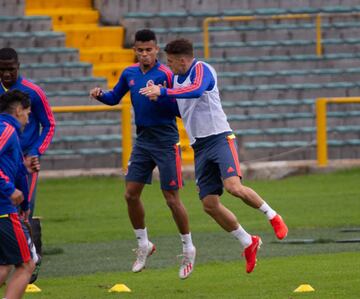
204 116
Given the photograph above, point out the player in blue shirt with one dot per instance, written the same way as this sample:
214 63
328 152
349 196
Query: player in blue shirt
14 250
40 130
157 144
216 159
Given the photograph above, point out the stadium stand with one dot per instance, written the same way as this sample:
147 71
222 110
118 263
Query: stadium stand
271 67
269 72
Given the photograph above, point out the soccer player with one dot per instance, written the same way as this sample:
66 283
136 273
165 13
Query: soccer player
216 159
14 250
157 144
40 129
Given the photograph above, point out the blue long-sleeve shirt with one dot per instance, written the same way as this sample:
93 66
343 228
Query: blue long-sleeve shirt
155 120
13 173
202 79
40 130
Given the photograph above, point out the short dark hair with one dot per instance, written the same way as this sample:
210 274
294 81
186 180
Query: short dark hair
8 54
12 98
180 46
145 35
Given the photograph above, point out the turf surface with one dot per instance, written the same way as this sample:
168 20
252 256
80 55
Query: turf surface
88 240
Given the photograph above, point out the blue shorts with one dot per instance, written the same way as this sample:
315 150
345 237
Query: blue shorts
216 158
167 158
14 249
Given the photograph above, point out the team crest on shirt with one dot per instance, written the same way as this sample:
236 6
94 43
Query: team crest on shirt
131 82
149 83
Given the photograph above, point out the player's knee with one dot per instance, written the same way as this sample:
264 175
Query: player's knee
131 198
210 206
27 267
173 202
236 190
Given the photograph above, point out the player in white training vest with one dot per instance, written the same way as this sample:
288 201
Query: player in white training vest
216 159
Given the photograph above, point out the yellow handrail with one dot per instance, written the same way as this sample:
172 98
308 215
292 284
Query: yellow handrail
317 17
321 125
125 109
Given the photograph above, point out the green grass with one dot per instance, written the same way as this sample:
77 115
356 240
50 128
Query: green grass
88 239
274 278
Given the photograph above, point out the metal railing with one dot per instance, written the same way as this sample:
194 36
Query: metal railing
321 125
125 109
316 17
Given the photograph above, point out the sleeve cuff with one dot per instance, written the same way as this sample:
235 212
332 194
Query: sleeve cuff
163 91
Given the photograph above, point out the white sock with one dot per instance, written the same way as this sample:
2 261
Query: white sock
142 237
187 242
269 212
242 236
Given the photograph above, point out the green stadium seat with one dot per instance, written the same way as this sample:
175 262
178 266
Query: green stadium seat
303 10
171 14
336 9
270 11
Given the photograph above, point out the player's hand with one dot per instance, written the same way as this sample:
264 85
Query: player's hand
24 215
150 91
17 197
96 92
32 164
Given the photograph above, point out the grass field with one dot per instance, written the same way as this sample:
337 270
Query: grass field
88 240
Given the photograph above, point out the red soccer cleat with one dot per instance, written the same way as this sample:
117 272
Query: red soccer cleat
250 253
279 226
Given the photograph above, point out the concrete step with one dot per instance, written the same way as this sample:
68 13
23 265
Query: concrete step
290 120
289 76
107 55
47 55
111 10
85 37
283 62
24 24
52 4
12 8
32 39
48 70
285 91
65 84
110 71
67 16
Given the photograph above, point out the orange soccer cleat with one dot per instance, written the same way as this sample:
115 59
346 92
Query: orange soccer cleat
250 253
279 226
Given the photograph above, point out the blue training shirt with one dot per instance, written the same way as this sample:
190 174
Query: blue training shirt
155 120
12 170
40 130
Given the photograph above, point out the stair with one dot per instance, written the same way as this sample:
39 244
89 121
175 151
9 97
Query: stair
79 21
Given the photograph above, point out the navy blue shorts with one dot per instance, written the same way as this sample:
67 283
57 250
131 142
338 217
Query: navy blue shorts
144 159
14 249
216 158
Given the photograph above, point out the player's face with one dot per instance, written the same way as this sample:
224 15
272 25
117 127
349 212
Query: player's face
175 63
9 70
146 53
22 115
